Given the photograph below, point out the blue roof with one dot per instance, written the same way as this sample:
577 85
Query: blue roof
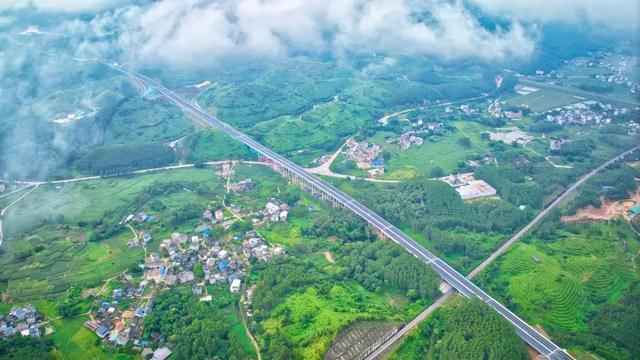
223 265
105 304
102 331
20 312
206 232
377 162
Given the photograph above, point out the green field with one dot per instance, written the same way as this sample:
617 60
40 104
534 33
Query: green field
444 151
543 100
61 259
91 200
312 321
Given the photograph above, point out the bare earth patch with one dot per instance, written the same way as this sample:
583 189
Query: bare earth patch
607 210
329 256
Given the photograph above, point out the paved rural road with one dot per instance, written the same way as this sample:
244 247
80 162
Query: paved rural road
134 172
448 274
423 315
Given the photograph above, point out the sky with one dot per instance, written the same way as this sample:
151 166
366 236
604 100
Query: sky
192 33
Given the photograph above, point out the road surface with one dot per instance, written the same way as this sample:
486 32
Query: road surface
423 315
134 172
448 274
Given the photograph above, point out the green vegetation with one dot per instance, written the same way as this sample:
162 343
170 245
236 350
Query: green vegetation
211 145
197 330
123 158
302 302
26 347
510 183
564 281
341 223
617 182
104 200
463 329
135 119
52 259
433 213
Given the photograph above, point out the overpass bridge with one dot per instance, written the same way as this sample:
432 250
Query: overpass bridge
336 197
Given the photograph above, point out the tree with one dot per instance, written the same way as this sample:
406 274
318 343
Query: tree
464 142
437 172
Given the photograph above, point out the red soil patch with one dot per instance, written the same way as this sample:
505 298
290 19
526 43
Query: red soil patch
607 210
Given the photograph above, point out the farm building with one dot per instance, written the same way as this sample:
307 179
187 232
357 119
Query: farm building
634 210
468 187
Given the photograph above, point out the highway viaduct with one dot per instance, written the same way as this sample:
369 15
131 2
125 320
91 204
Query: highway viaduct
336 197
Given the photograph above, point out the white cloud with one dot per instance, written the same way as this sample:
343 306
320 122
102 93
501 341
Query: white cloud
62 6
618 14
199 32
6 21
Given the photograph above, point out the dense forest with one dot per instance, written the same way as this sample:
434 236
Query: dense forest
117 159
381 265
464 330
340 223
26 347
194 329
436 211
511 185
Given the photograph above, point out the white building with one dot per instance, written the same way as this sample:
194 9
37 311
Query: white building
235 285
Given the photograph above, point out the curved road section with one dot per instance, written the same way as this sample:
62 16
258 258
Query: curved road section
531 336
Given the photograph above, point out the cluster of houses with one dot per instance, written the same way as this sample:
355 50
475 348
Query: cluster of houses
23 320
583 113
364 154
242 186
214 216
257 248
618 64
118 319
495 108
225 170
274 211
194 259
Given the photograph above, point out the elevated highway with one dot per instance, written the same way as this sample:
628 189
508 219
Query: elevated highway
337 197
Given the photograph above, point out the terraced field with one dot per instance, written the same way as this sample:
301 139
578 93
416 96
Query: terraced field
558 284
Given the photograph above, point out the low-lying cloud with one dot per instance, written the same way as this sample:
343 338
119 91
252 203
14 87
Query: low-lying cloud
613 14
198 32
60 6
